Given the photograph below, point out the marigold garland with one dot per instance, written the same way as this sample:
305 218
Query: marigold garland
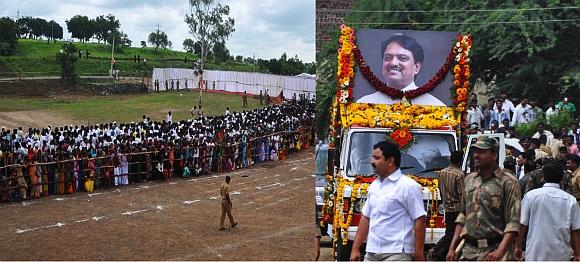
345 72
399 116
461 71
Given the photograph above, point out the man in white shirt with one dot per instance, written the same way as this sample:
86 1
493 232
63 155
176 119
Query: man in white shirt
552 217
402 61
521 113
393 218
474 114
507 105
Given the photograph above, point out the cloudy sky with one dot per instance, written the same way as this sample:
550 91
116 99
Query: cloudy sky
264 28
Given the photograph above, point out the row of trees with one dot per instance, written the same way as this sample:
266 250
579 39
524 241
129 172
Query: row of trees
34 27
102 28
525 47
281 66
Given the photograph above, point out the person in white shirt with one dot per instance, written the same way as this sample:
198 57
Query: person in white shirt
549 136
521 113
402 61
474 114
169 118
551 111
507 105
552 218
393 218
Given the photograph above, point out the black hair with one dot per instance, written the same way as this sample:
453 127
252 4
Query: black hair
408 43
389 150
456 158
553 172
574 158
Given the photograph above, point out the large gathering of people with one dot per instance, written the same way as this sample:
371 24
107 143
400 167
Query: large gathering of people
63 160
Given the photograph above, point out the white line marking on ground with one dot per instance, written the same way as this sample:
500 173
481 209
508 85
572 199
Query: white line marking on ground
25 204
83 220
190 202
211 198
94 194
235 193
130 213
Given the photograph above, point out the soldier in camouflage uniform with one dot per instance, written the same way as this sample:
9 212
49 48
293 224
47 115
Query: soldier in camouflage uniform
490 222
536 179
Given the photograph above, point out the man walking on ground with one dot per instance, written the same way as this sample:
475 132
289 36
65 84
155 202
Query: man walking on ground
226 204
550 213
452 191
393 217
490 222
245 99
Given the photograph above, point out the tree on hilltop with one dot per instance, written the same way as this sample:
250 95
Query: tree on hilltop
209 25
81 27
158 39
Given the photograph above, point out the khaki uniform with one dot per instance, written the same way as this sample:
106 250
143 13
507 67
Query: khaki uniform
536 180
226 205
492 209
575 182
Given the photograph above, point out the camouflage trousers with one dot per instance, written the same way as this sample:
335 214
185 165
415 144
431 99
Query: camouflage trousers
471 252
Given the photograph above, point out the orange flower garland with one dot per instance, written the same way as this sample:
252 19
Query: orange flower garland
345 71
461 71
401 137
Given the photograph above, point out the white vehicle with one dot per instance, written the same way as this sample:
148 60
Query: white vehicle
503 143
428 154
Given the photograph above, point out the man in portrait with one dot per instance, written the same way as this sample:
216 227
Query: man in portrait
402 60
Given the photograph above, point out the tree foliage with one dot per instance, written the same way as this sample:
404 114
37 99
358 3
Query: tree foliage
103 26
538 58
220 53
189 45
8 36
158 39
285 66
67 57
81 27
53 30
209 25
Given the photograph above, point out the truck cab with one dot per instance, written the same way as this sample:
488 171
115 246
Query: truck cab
429 153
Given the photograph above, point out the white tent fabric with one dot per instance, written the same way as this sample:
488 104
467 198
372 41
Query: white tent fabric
237 82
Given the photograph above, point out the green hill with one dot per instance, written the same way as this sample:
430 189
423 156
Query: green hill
38 58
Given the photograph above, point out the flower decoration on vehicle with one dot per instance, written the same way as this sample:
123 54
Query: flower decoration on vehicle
402 138
345 72
461 71
343 210
433 185
399 116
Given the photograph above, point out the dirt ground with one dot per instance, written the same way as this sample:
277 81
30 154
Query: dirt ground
35 118
179 220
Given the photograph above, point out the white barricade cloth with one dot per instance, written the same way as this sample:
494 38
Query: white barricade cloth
236 82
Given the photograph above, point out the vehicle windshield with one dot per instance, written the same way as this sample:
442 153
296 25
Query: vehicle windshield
430 151
321 159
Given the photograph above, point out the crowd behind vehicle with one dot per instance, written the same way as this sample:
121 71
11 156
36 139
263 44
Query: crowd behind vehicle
63 160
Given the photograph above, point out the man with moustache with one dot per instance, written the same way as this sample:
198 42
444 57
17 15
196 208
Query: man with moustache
402 61
490 222
393 218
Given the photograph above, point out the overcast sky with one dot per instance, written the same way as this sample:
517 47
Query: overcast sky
264 28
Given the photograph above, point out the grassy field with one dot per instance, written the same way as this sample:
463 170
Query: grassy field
38 58
129 108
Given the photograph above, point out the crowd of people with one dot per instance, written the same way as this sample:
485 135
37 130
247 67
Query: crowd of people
63 160
500 114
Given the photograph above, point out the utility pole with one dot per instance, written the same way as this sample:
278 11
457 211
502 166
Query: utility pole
112 54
